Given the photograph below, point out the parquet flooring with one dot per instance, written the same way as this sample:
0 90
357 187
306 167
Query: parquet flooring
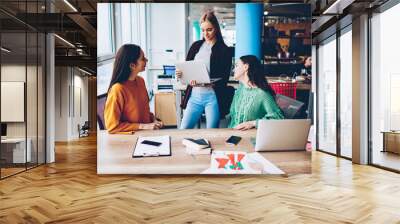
70 191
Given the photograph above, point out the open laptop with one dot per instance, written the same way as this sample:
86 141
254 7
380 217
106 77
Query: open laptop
195 70
282 135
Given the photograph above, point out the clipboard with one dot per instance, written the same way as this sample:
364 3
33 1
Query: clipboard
145 150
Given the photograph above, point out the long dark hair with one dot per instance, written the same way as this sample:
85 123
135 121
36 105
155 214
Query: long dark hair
126 54
256 73
211 18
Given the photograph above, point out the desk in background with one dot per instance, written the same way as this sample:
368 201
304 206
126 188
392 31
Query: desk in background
13 150
391 141
114 153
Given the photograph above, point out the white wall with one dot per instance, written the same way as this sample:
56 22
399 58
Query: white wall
17 72
71 94
33 126
167 24
167 31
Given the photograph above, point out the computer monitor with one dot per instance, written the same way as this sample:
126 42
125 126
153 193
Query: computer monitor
3 129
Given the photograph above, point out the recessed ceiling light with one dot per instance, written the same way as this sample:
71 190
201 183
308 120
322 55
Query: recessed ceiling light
5 50
64 40
84 71
70 5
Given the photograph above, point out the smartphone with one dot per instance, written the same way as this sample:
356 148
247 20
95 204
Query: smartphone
233 140
147 142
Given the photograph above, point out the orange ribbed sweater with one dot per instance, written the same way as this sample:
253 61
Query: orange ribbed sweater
127 106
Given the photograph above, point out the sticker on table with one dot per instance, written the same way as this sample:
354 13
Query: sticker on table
230 162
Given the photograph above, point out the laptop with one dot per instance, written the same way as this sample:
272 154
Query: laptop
195 70
282 135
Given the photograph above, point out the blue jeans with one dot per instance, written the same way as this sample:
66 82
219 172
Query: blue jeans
197 104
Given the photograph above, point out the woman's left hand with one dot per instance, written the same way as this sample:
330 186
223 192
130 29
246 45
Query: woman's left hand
159 123
246 125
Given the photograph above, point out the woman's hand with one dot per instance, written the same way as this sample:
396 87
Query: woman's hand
160 124
151 126
178 73
246 125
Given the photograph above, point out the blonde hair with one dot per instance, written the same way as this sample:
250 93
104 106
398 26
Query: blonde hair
210 17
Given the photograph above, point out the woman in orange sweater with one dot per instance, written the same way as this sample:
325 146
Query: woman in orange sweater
127 106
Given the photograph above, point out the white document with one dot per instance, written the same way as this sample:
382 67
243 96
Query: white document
142 150
193 70
268 167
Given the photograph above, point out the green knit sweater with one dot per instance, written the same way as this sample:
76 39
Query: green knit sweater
251 104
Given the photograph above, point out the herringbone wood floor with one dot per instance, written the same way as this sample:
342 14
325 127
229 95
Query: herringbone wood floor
70 191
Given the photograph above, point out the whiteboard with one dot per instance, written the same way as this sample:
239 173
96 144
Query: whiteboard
12 101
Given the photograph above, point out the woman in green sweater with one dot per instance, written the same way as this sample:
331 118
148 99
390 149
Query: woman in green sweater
254 99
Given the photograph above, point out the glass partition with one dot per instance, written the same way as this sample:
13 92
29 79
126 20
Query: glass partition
22 88
13 95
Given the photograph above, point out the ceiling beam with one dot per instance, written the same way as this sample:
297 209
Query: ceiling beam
84 24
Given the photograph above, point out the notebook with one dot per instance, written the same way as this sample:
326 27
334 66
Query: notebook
162 148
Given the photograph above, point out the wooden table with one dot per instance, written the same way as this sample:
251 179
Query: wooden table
114 153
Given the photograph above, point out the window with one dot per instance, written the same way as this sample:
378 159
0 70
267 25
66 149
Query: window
385 84
104 73
126 24
327 95
346 93
105 44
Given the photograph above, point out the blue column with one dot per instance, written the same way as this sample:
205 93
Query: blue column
249 18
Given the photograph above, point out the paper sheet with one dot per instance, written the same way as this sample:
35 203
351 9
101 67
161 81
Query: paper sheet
268 167
149 150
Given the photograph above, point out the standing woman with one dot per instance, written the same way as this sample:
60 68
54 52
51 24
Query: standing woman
127 106
213 51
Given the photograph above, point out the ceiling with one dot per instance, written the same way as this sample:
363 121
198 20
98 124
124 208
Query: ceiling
73 20
328 16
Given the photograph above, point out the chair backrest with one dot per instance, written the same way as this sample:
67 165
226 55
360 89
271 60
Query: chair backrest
290 107
228 94
86 125
101 102
285 88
